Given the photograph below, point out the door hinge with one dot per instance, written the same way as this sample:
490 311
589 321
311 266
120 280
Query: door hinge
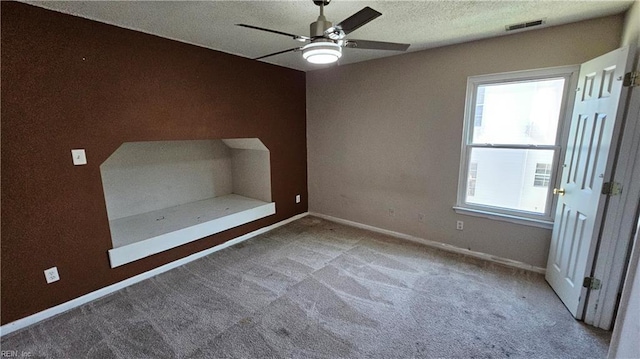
631 79
591 283
611 188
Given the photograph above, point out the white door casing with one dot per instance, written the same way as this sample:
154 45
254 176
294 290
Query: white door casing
591 144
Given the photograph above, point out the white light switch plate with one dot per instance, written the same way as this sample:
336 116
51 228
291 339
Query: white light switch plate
79 157
297 198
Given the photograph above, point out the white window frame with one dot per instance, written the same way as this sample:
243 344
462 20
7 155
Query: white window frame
544 220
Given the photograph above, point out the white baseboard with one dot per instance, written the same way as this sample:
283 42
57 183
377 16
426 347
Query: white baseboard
61 308
434 244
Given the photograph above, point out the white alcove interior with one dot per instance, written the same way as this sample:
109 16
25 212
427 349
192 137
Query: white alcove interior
163 194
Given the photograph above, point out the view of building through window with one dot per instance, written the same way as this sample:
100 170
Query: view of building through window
543 175
513 144
471 184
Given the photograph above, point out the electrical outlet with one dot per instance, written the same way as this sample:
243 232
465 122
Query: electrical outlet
459 225
297 198
392 212
421 217
51 275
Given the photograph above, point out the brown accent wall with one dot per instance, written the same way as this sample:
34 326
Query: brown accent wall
70 83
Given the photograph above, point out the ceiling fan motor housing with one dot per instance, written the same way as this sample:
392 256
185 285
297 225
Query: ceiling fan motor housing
318 27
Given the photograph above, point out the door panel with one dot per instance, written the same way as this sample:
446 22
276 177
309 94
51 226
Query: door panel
589 147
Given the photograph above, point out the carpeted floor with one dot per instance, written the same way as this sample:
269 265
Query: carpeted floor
316 289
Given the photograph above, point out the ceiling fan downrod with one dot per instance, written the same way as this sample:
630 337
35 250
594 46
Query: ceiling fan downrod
318 27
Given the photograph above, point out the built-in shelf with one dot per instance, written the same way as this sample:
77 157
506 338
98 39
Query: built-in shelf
161 195
149 233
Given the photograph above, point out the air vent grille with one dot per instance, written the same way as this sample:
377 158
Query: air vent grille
524 25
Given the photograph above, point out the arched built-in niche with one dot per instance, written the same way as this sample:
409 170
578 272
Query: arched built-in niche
163 194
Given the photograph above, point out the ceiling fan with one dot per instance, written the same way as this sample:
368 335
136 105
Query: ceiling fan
325 42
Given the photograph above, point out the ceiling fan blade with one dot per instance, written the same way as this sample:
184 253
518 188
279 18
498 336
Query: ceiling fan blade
295 37
357 20
376 45
278 53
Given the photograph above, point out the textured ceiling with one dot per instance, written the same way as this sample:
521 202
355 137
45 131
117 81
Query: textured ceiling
423 24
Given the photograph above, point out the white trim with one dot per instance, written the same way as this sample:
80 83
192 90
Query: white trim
619 58
619 219
434 244
132 252
504 217
61 308
623 330
569 73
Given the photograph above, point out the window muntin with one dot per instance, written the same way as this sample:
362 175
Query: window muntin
513 122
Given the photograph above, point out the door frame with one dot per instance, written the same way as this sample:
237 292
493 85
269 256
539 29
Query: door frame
621 214
592 239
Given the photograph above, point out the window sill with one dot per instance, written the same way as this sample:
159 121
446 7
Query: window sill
504 217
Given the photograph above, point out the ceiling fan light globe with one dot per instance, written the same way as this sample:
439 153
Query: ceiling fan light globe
322 52
322 58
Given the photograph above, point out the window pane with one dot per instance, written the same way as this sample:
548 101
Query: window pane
507 178
518 113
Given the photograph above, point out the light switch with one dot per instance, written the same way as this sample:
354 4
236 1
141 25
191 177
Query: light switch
79 157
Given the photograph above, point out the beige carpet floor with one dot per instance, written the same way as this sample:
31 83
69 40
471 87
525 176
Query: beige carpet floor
316 289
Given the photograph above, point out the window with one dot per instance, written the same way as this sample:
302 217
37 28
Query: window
513 133
543 175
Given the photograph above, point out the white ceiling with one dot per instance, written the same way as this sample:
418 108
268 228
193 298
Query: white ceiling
423 24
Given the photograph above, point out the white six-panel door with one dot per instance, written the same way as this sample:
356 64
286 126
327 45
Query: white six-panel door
581 204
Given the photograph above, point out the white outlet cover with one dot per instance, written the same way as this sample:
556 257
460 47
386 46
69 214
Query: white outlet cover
297 198
79 157
51 275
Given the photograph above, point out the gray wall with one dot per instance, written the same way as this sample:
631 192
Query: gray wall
146 176
387 133
631 31
251 173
